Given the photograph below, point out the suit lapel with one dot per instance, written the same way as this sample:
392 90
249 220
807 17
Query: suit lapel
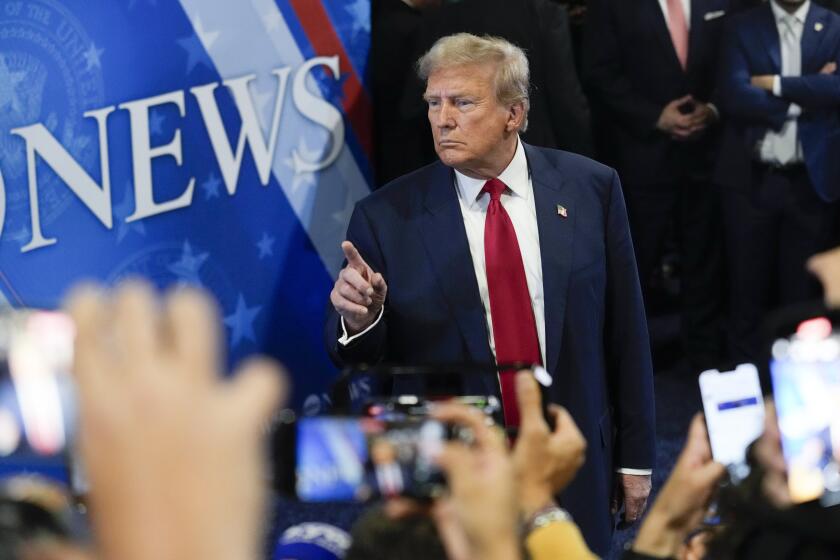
556 241
661 30
695 37
812 38
449 254
770 37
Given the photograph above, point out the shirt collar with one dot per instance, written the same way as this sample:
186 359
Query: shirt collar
515 176
800 14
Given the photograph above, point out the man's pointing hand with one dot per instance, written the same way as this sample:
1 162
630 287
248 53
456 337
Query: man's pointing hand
359 292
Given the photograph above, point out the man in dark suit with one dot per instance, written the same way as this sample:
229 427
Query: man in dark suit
780 155
508 252
559 111
649 67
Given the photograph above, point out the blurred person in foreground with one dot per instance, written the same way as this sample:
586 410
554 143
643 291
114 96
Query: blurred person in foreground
503 252
173 452
496 497
779 92
649 68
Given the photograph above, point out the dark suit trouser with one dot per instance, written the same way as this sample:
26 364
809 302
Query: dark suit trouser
771 231
693 205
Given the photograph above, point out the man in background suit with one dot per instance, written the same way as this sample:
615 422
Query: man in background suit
649 68
502 251
559 111
780 155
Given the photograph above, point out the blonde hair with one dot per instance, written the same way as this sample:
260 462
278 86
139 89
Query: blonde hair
512 78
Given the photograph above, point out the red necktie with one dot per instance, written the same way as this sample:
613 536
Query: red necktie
678 26
514 327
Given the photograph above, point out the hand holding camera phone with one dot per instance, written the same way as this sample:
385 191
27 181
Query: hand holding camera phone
734 410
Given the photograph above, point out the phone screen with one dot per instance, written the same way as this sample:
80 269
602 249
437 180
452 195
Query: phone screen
358 459
805 369
37 404
734 410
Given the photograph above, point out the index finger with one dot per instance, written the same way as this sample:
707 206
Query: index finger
353 257
530 401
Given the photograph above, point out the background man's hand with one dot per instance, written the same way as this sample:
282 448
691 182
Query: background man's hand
826 267
631 491
702 117
829 68
672 121
545 461
359 293
683 500
764 82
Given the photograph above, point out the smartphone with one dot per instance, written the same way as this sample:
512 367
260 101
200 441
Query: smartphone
805 371
411 406
37 400
734 410
358 459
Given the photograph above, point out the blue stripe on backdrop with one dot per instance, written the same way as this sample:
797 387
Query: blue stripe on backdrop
265 251
357 47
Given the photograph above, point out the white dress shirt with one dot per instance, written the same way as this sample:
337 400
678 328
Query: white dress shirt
518 202
686 9
772 146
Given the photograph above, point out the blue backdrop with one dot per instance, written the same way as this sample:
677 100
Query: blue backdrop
208 142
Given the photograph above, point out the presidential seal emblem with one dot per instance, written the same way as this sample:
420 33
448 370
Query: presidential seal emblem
50 73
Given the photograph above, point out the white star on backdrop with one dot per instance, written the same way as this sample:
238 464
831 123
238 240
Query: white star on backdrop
207 38
188 267
93 57
303 179
360 12
241 322
210 186
266 246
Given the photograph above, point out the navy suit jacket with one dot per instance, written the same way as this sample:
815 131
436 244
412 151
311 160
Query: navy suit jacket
631 71
597 348
752 47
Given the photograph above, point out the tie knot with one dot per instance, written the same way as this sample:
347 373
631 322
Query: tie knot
495 188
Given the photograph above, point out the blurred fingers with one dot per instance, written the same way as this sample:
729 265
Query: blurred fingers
87 306
453 413
193 326
260 387
136 324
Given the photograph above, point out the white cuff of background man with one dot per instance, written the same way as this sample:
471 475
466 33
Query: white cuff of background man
794 110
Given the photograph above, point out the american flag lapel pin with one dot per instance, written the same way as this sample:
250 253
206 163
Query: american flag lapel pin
562 212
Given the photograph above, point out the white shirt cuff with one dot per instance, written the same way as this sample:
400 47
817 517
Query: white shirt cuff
637 472
347 339
714 110
777 86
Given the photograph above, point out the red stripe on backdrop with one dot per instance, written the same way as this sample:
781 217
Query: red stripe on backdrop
357 105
